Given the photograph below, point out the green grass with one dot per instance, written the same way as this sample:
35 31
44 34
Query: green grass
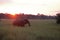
39 30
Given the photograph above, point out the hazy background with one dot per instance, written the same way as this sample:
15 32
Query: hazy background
48 7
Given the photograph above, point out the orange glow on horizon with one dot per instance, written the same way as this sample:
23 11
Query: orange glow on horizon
13 15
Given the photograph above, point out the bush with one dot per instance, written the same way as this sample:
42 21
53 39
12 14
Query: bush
58 18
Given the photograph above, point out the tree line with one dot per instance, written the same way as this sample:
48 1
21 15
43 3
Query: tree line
29 16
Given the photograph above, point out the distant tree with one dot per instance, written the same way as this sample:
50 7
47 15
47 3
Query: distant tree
1 16
38 14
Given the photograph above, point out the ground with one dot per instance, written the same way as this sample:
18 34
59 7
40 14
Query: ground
40 30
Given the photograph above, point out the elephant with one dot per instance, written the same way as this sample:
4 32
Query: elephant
21 22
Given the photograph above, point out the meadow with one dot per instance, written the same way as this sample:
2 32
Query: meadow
40 30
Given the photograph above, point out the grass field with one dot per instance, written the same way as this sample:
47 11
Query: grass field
39 30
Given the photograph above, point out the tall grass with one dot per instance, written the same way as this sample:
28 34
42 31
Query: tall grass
39 30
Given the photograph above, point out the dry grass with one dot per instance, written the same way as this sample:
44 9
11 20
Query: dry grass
40 30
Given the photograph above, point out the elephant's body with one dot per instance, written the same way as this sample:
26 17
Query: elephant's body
21 22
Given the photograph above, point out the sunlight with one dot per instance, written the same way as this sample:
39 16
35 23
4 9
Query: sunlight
13 16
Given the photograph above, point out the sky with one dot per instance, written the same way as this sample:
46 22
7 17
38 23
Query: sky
47 7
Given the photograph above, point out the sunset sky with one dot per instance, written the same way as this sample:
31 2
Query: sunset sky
47 7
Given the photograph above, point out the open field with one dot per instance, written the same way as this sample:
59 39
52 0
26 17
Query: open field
39 30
